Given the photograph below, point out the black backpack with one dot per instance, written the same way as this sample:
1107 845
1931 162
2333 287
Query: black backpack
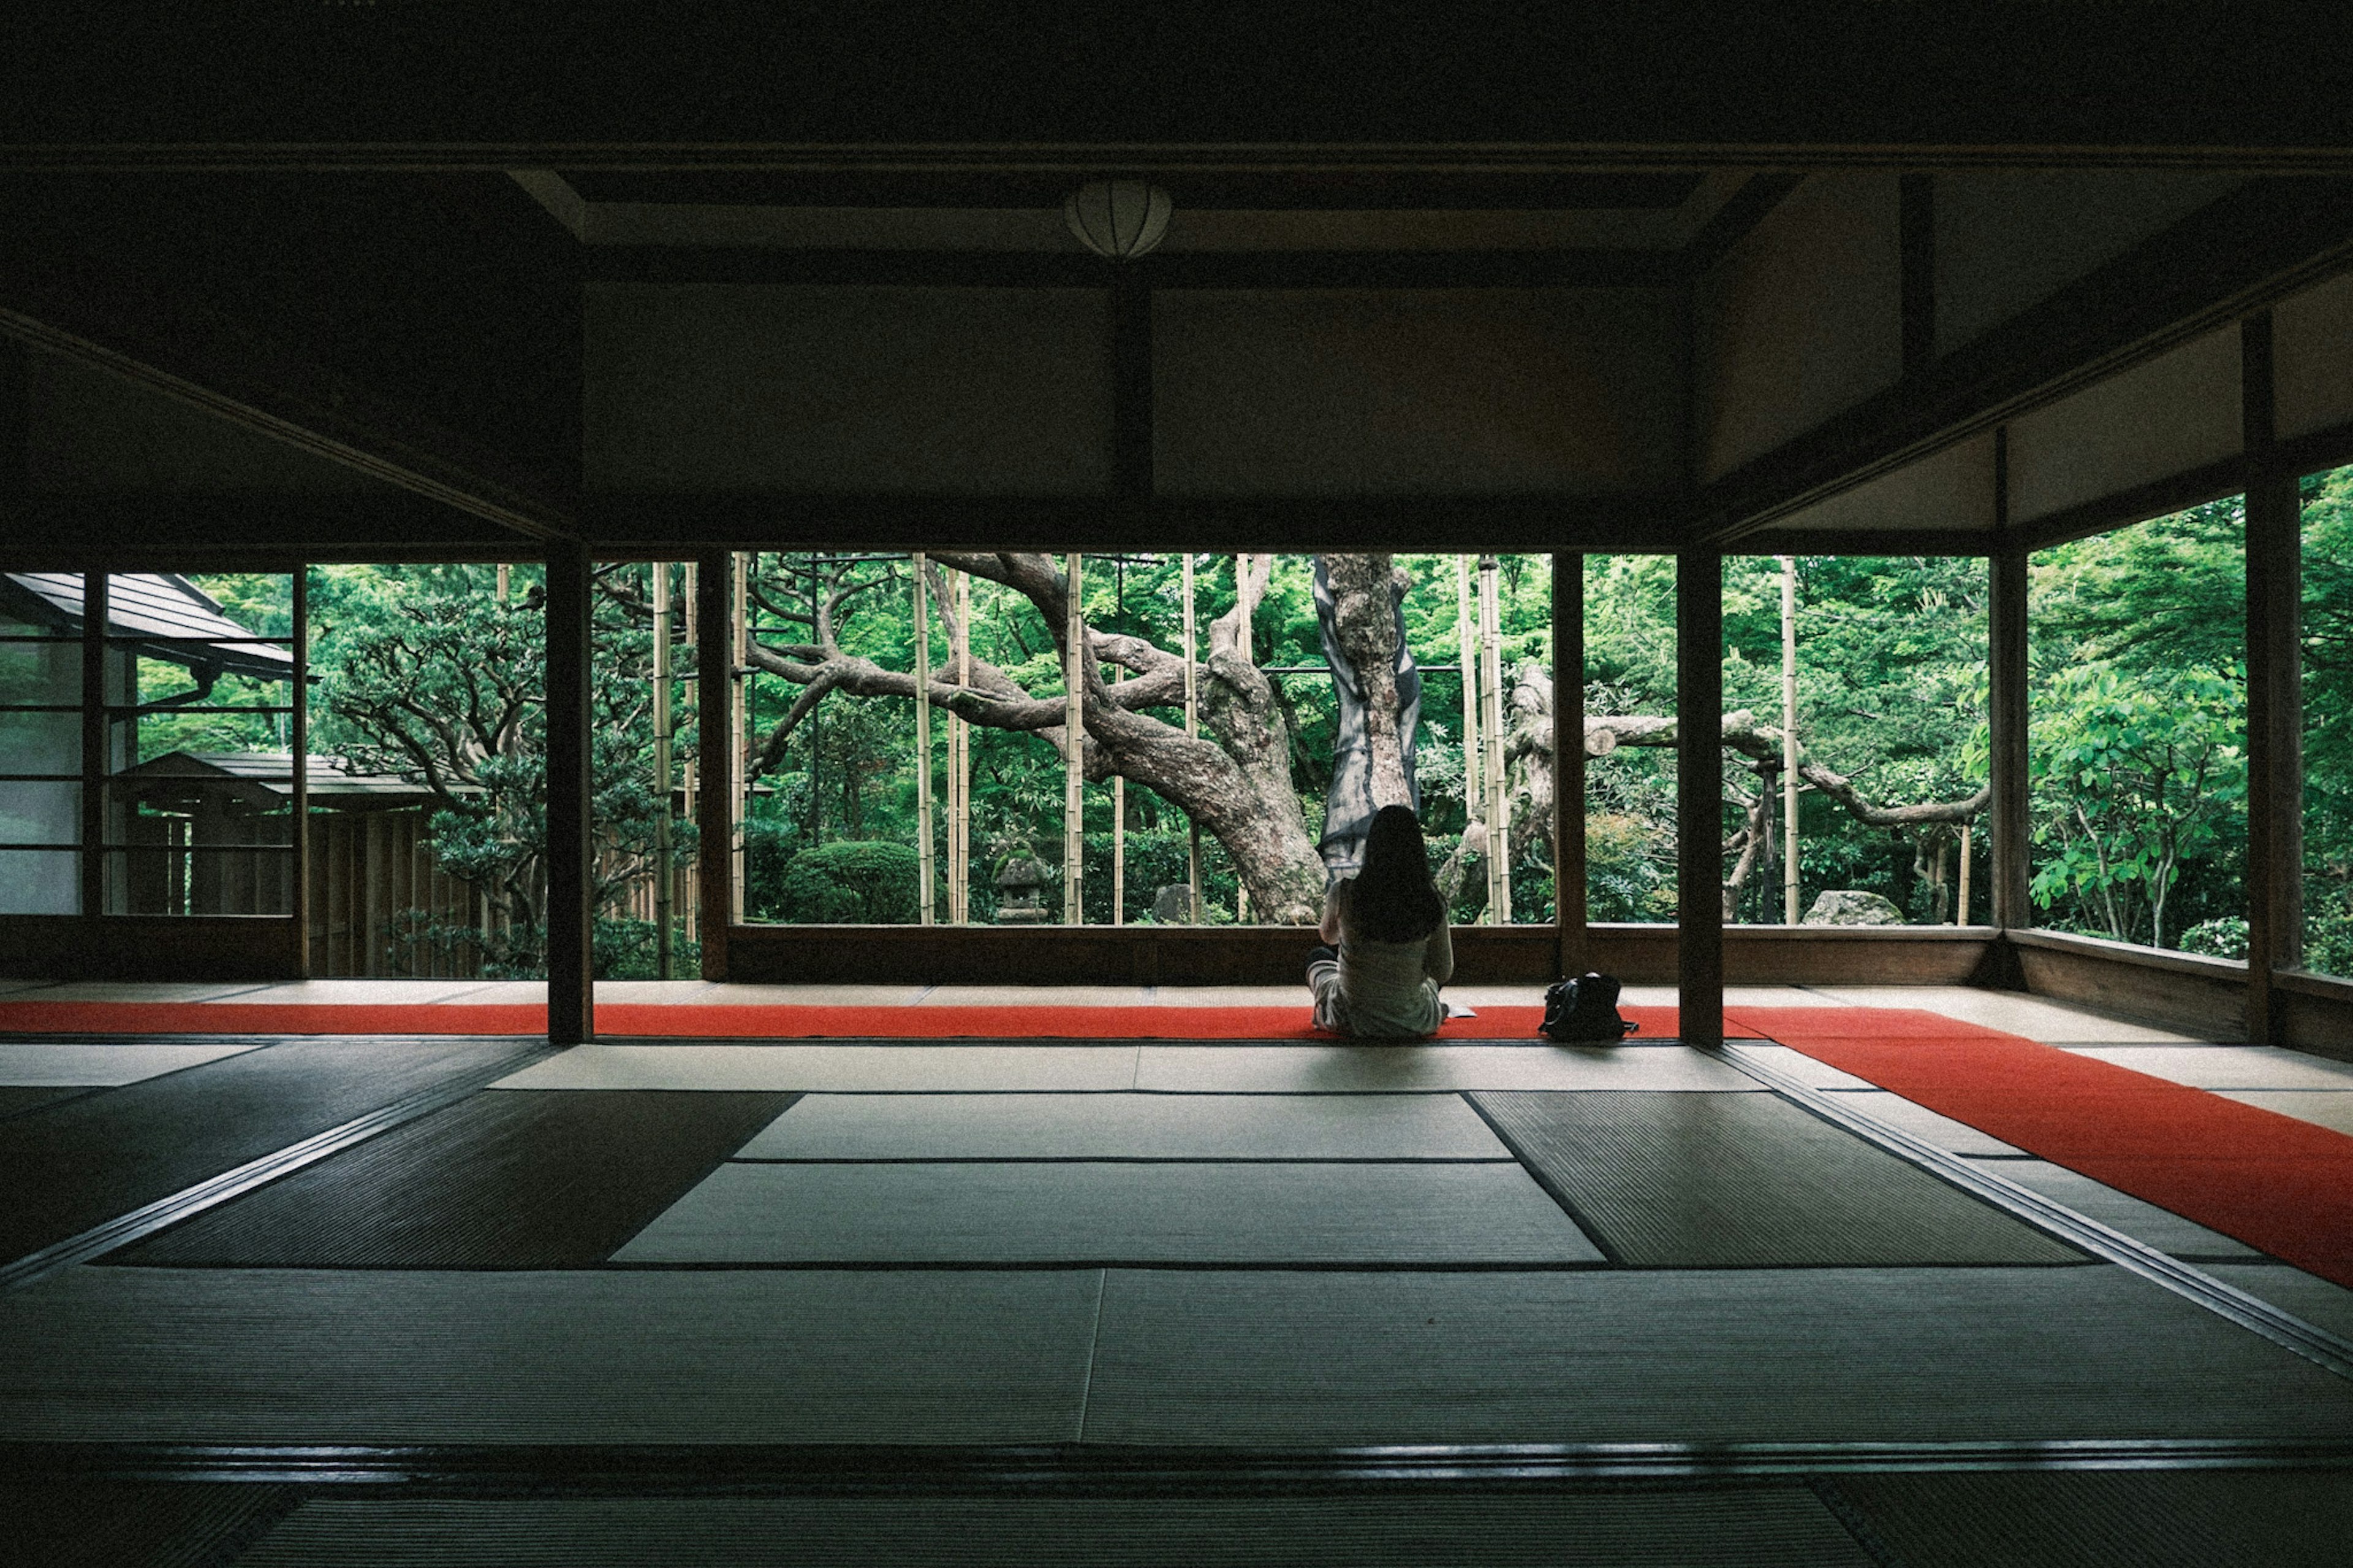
1584 1011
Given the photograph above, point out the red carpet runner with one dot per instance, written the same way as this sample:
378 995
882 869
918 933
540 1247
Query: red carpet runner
2268 1179
2271 1181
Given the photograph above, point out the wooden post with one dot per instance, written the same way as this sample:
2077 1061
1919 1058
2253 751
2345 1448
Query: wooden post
665 875
1074 738
923 746
2007 714
2006 722
571 883
1192 731
714 697
1699 797
97 737
2275 698
1499 794
1792 902
1571 946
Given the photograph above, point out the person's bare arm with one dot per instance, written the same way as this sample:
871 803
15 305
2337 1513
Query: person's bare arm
1438 958
1333 902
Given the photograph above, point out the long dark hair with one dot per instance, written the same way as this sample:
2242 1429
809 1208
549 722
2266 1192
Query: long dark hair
1395 899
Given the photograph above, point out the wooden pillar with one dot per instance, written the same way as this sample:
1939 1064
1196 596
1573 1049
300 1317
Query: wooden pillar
1571 944
95 736
298 740
2275 698
1699 797
571 907
2007 716
715 817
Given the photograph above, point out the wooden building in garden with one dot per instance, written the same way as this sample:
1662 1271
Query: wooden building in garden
1979 1242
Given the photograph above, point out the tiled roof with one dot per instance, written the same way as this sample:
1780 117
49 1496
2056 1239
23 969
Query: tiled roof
174 619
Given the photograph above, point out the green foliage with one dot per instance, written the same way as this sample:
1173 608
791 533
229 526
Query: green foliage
424 673
852 883
2136 745
2225 936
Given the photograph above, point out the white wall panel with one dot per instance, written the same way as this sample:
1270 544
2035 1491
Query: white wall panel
1803 318
867 390
2311 358
2177 412
1951 489
2007 239
1416 392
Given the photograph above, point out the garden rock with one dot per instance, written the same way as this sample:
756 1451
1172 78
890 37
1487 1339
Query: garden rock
1853 907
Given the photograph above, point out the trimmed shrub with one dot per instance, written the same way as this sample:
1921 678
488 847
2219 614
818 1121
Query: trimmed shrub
850 884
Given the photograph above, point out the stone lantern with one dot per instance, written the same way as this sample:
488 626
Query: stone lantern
1020 882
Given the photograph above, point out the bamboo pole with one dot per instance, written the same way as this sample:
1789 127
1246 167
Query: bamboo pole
1192 730
1498 805
664 878
1118 834
738 728
924 866
1249 656
691 897
1962 893
960 764
1074 748
1474 798
1790 897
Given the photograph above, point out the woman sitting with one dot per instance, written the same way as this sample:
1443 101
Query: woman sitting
1389 924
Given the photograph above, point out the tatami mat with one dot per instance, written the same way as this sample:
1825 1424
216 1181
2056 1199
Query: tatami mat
1375 1069
1631 1355
1086 1211
54 1524
2228 1067
841 1069
1806 1070
2328 1108
15 1100
39 1064
1732 1181
89 1159
765 1356
1127 1126
2320 1302
2161 1228
1755 1526
2177 1518
1894 1110
2015 1012
521 1180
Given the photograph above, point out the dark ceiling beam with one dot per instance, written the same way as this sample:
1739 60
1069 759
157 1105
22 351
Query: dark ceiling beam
1162 270
660 526
154 531
1077 161
2236 255
1736 219
69 304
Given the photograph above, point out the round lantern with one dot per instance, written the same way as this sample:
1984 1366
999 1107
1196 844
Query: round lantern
1122 219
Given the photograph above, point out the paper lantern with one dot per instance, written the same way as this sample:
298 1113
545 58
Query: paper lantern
1122 219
